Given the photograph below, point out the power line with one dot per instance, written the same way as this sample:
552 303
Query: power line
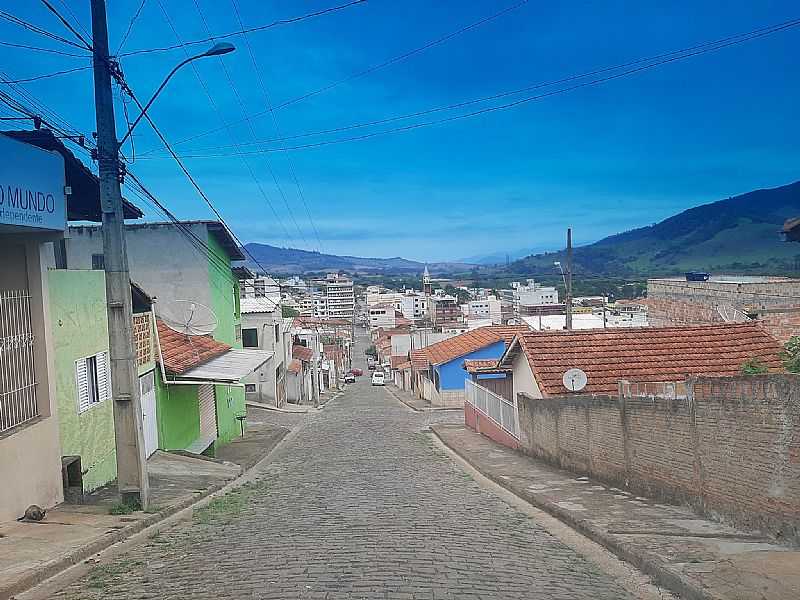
41 49
515 103
66 23
36 29
242 107
249 30
48 75
130 25
265 93
231 134
371 69
742 37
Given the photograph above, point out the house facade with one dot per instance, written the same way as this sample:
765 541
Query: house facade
264 328
43 186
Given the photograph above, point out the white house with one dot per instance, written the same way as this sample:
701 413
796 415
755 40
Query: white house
264 328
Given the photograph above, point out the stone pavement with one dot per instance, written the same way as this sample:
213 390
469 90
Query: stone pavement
692 556
359 503
417 404
31 552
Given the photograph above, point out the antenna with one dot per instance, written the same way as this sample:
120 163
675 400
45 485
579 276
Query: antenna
574 380
187 317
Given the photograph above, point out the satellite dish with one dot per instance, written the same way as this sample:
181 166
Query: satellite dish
574 380
188 317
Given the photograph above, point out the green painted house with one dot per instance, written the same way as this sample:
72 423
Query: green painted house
187 269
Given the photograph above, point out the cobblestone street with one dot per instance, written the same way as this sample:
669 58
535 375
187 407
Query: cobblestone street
359 504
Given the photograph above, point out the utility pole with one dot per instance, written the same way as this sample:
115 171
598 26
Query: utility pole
131 462
568 282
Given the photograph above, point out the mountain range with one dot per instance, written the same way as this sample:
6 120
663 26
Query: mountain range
293 261
735 235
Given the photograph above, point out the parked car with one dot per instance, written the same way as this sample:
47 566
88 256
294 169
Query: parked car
378 378
349 378
357 372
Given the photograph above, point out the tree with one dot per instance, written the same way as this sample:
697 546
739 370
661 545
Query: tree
753 366
791 354
371 351
288 312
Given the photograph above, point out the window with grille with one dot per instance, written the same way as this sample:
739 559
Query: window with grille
92 380
98 262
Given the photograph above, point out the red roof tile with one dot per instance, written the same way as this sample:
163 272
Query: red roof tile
483 365
303 353
398 360
182 352
294 366
419 359
404 366
470 341
645 354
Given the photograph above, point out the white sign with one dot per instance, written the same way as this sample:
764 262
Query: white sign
32 185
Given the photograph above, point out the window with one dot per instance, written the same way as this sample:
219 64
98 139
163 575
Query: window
92 380
250 388
98 262
277 333
250 338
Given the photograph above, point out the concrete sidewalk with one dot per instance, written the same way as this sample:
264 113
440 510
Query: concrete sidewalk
694 557
414 403
32 552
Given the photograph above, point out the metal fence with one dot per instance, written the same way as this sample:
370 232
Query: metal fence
498 409
17 373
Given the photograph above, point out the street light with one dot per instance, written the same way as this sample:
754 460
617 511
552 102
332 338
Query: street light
215 50
560 268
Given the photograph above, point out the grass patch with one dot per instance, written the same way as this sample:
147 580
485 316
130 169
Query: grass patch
232 504
123 508
102 575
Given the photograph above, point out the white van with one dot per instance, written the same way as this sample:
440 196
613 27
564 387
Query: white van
378 378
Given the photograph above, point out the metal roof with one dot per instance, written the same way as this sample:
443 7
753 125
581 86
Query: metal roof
231 366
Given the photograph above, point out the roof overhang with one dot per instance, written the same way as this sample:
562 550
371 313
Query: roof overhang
230 367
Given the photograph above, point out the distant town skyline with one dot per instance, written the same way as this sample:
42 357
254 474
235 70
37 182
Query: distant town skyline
603 159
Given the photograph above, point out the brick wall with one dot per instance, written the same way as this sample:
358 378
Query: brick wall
730 448
677 302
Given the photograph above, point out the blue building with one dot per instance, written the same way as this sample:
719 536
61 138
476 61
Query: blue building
442 383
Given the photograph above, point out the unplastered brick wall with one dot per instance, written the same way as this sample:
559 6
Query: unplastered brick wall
677 302
730 447
781 323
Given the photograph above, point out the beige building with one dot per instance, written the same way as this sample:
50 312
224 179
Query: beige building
36 173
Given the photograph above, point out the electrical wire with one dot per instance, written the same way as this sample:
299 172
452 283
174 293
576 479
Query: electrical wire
130 26
66 24
48 75
234 88
231 133
267 99
249 30
38 30
515 103
41 49
742 37
368 70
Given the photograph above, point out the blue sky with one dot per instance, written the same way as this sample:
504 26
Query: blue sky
601 159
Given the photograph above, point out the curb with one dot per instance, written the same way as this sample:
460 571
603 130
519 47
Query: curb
55 567
644 561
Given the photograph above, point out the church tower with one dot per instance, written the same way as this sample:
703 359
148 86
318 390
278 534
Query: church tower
427 288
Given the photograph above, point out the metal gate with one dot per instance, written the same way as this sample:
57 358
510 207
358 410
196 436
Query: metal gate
17 373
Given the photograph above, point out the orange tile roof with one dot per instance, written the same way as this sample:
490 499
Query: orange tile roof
482 365
404 366
419 359
398 360
294 366
644 354
470 341
303 353
182 352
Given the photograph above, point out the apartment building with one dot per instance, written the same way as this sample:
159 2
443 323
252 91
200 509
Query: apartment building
335 298
527 298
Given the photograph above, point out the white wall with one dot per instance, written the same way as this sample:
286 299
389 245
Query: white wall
161 260
523 377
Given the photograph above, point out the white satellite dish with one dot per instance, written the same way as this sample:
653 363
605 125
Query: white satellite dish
574 380
187 317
